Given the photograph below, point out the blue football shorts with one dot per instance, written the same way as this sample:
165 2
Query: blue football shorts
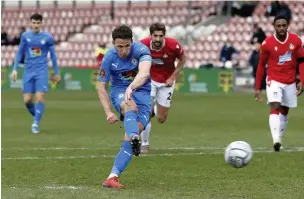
35 82
143 101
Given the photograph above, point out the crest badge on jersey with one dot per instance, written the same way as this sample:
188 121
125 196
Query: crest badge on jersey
134 61
165 55
291 47
42 41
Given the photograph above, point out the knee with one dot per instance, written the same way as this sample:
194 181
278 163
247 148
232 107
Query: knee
27 99
161 119
275 106
39 98
284 110
141 127
131 106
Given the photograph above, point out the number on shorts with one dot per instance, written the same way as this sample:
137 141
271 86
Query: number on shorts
169 97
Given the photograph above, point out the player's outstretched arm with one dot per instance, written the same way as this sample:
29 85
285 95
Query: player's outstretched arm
51 47
18 57
105 101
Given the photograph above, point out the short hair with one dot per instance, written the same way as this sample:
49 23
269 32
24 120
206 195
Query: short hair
122 32
37 17
278 17
157 27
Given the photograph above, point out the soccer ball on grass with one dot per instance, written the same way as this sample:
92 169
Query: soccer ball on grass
238 154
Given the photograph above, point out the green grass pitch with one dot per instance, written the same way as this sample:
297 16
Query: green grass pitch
74 152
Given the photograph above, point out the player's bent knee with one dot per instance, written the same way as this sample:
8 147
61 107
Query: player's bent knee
161 119
131 106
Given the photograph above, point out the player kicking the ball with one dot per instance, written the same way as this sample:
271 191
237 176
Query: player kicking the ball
280 52
164 51
127 65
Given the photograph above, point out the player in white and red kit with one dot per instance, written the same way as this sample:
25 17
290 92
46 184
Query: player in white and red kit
281 52
164 51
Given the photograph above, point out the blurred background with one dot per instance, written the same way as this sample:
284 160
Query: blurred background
221 38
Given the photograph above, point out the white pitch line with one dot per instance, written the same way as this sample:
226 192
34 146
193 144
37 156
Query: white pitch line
150 155
170 148
63 187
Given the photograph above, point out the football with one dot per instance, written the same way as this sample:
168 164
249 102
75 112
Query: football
238 154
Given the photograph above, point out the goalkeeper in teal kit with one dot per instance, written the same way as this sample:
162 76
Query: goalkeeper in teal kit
127 65
35 45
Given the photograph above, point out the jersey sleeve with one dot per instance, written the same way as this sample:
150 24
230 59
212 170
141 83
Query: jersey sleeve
144 54
105 69
300 49
179 51
51 40
300 56
263 58
51 48
19 52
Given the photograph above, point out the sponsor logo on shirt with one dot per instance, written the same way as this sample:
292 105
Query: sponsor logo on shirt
285 58
35 51
157 61
128 75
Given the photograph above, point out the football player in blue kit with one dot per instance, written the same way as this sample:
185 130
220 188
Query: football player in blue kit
127 65
35 45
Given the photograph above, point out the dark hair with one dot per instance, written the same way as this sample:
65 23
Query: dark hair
122 32
37 17
278 17
157 27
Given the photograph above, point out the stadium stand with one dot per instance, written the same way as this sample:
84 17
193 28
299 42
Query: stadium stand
78 27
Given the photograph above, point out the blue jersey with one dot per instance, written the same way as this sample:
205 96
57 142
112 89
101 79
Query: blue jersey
35 48
123 71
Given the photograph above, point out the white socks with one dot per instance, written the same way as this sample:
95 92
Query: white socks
283 123
112 175
145 135
274 124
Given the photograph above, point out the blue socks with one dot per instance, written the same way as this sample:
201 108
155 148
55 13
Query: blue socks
130 123
39 112
123 158
31 108
125 154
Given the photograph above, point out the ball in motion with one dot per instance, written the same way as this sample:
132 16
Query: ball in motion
238 154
